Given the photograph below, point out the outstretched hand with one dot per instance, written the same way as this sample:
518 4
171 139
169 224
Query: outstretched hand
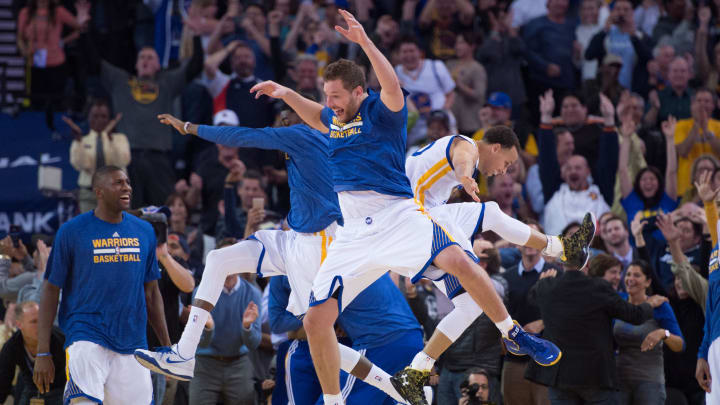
355 31
470 187
269 88
704 187
168 119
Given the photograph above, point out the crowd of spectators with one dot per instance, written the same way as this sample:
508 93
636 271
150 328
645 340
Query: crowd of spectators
615 103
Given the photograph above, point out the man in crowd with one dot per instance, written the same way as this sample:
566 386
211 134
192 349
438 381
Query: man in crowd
575 197
516 389
232 91
551 51
20 352
476 388
223 369
616 235
104 262
675 99
696 136
577 312
140 99
428 81
99 147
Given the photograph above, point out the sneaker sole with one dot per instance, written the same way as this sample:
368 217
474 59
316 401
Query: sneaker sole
151 364
401 389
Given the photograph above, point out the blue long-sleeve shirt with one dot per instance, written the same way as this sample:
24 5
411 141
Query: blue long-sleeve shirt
548 42
230 338
281 320
314 204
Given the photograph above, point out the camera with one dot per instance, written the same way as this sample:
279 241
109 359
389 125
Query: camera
158 218
651 224
471 391
620 20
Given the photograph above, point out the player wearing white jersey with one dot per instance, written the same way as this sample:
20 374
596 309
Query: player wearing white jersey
435 171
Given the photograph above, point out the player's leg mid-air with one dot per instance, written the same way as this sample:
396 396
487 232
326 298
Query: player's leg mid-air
457 157
384 228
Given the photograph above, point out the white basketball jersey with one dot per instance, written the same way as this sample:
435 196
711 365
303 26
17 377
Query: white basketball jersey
430 171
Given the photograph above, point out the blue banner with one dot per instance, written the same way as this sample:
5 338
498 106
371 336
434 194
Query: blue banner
26 143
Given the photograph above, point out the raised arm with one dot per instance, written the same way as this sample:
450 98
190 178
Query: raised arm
180 276
464 157
708 195
308 110
668 129
626 130
390 92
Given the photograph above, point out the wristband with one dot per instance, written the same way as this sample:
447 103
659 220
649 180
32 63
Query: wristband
185 127
46 354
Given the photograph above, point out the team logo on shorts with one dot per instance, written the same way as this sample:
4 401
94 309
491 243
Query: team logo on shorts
194 318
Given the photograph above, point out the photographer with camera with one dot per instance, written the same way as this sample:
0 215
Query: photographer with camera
476 389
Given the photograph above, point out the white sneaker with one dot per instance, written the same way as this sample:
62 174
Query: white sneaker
167 361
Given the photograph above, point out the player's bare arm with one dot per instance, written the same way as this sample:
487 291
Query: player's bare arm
390 93
44 370
308 110
156 312
464 156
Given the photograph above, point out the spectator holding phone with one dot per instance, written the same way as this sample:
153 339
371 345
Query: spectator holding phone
648 194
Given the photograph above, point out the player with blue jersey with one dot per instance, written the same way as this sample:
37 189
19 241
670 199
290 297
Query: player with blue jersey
313 217
104 263
381 326
708 363
385 228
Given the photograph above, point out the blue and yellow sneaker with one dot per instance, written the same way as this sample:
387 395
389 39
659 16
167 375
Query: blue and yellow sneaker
521 343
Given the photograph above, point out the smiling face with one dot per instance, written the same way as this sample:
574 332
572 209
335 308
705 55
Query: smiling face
114 191
679 73
178 210
410 55
649 184
636 282
344 103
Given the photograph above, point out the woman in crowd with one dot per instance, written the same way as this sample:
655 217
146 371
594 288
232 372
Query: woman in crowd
640 354
39 39
649 193
606 267
179 222
470 84
701 165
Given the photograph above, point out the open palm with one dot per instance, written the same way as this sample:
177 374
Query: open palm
355 31
269 88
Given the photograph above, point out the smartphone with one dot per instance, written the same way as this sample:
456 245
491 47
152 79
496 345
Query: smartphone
258 202
14 233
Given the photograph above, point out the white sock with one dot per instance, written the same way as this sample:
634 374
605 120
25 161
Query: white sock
505 326
554 247
333 399
241 257
193 331
422 362
379 379
349 358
